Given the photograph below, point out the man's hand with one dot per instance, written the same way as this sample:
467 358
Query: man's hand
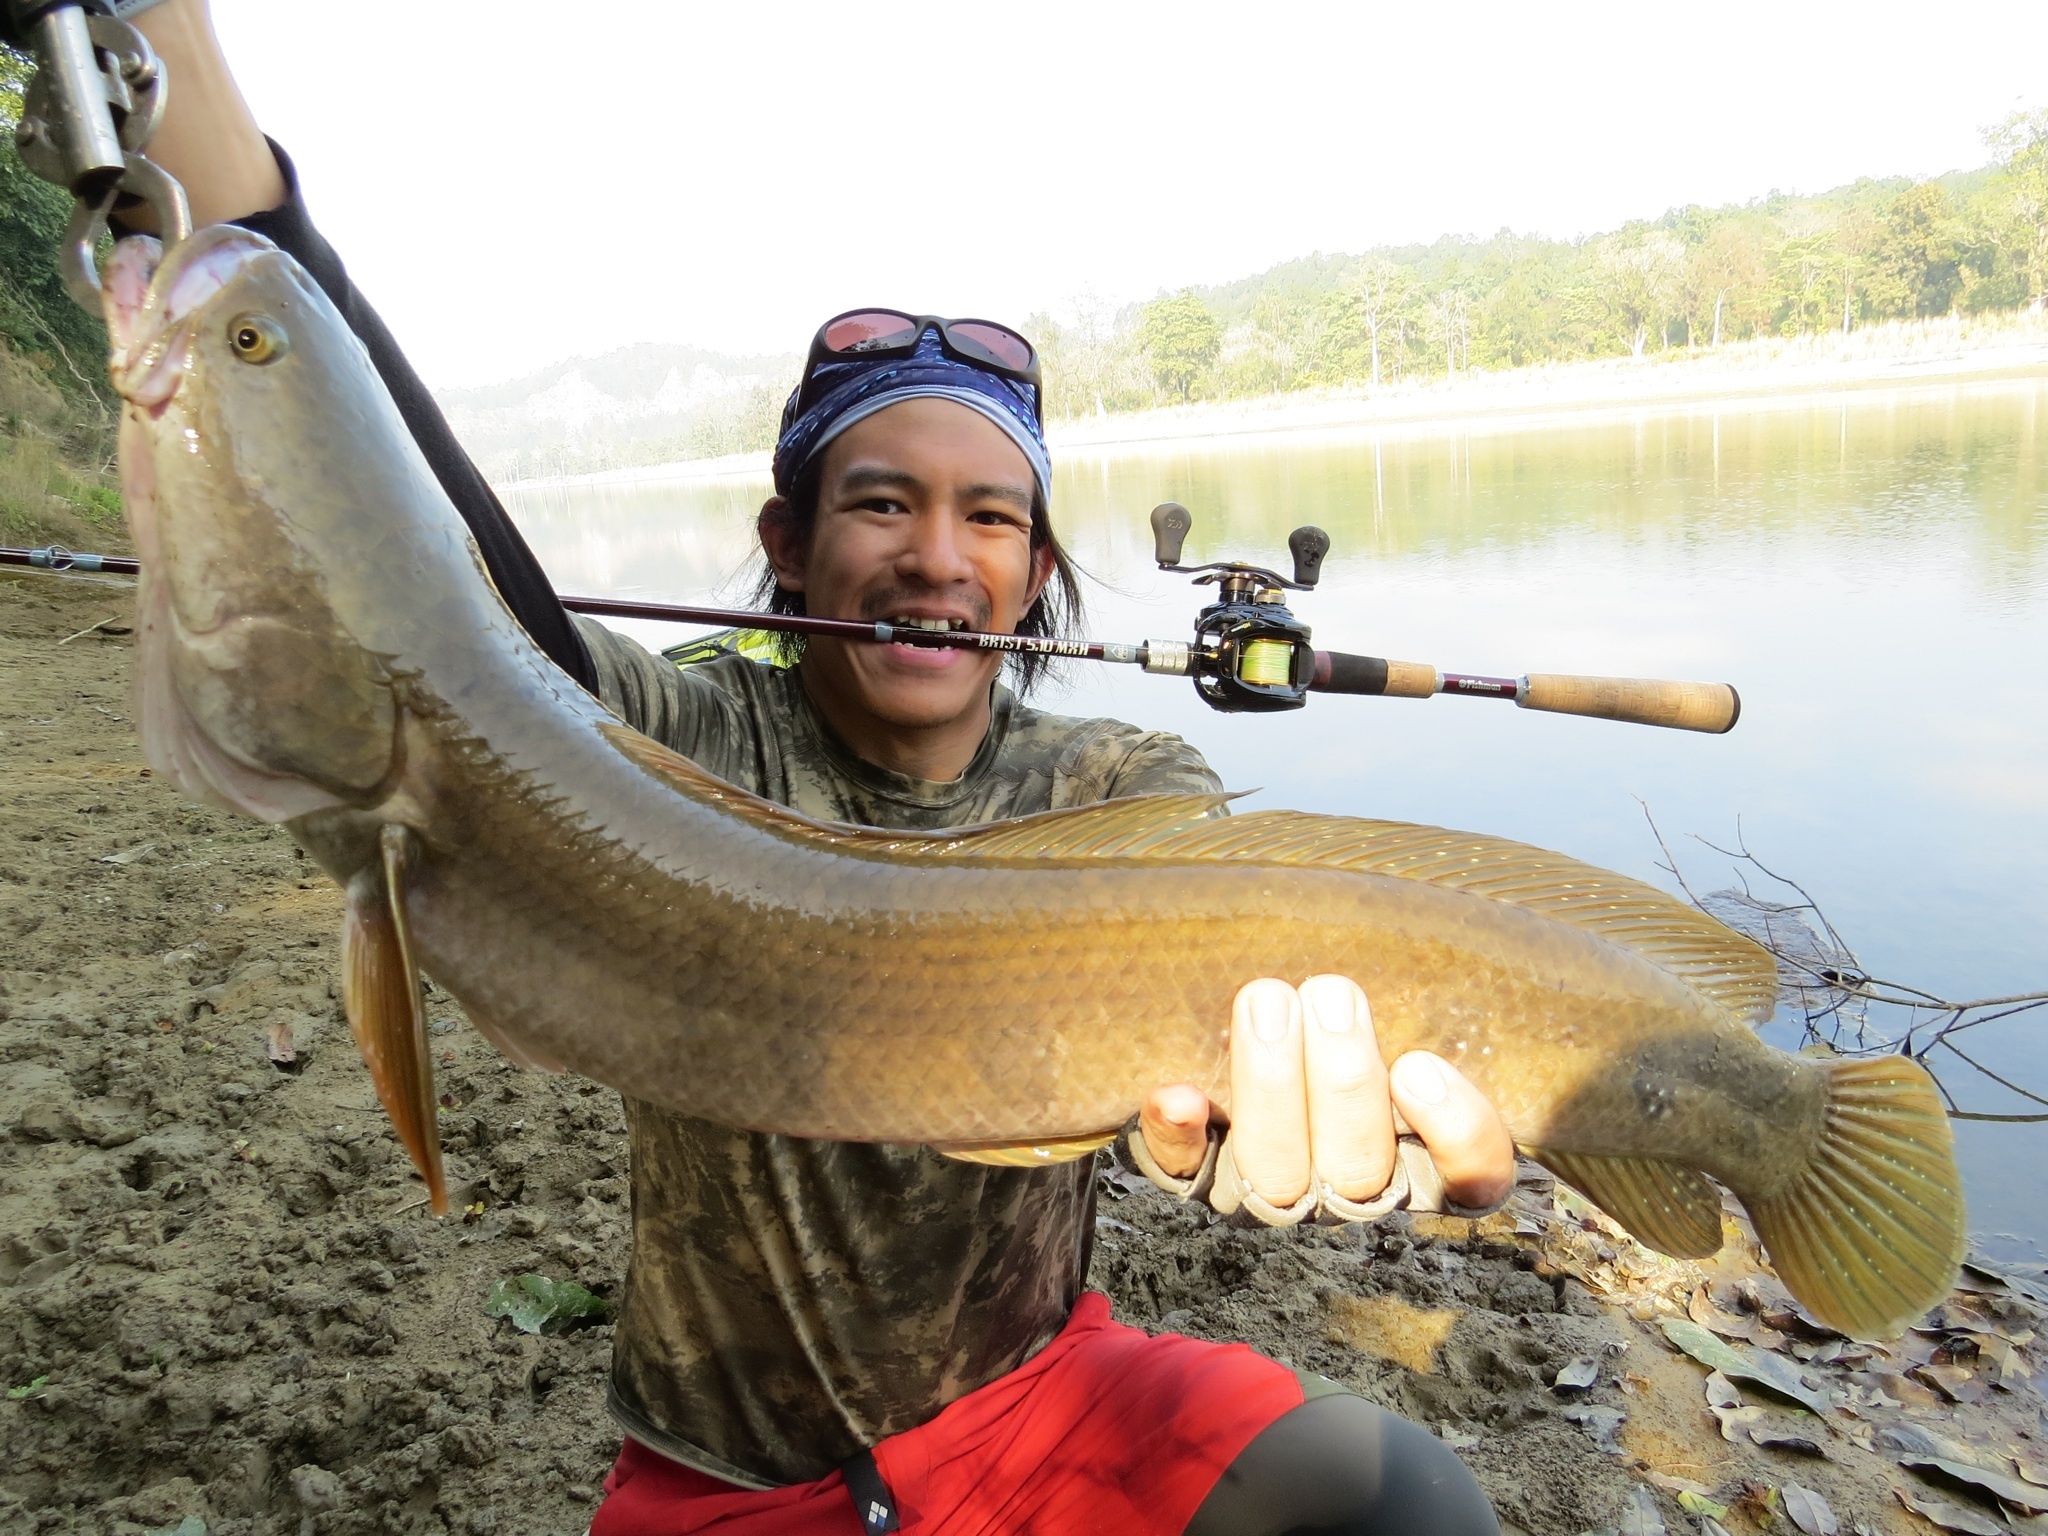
1310 1096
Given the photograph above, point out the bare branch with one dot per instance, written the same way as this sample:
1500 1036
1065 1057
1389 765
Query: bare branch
2002 1082
1826 988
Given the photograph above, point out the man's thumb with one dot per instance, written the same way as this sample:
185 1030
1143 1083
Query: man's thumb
1175 1125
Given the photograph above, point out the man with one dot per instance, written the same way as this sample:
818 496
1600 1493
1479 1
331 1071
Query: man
822 1336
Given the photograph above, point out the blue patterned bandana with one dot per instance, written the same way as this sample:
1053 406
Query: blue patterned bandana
854 389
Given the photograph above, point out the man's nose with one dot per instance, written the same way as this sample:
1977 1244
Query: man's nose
936 553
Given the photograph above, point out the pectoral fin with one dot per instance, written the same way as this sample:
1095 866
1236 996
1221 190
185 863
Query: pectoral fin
380 987
1671 1209
1026 1154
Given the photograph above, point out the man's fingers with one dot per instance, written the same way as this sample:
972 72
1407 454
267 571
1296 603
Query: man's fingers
1350 1118
1268 1126
1175 1125
1464 1132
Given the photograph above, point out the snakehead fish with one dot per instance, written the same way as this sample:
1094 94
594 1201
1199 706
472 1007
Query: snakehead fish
321 647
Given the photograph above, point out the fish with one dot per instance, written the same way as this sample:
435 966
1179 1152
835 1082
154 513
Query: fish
320 647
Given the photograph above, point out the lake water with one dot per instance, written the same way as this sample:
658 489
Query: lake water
1870 570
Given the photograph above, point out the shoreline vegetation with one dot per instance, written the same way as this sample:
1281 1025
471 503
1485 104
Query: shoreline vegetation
1737 376
57 410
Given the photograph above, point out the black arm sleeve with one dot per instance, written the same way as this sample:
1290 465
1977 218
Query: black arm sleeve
521 581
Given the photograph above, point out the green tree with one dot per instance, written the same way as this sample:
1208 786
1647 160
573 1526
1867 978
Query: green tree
2020 145
1373 300
1180 335
1516 320
1805 282
1450 318
36 312
1915 267
1727 283
1640 274
1273 352
1854 244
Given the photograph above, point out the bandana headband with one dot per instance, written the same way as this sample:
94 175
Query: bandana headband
857 389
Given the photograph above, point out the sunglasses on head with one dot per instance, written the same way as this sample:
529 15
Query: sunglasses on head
883 333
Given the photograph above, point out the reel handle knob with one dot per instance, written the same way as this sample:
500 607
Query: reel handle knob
1170 524
1308 544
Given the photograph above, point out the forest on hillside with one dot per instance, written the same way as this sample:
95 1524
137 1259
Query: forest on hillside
1974 242
1971 243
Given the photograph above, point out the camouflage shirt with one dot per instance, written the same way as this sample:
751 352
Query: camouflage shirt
789 1302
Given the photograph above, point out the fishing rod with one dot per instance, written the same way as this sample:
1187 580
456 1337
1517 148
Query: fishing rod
1249 652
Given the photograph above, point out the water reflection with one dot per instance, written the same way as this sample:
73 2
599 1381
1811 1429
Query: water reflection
1867 569
1862 467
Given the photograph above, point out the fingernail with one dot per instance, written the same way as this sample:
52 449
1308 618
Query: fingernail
1269 1014
1422 1077
1334 1014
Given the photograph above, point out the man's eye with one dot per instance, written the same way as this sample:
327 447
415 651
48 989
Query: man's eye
993 518
881 504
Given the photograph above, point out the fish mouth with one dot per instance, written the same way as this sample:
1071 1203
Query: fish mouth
152 302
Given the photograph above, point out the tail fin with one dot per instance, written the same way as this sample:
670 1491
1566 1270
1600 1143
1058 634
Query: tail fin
1868 1238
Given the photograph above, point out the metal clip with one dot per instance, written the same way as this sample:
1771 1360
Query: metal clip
90 111
58 558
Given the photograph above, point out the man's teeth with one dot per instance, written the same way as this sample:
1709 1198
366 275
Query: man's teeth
909 621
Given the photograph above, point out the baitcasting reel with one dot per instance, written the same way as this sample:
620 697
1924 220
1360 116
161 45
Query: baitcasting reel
1250 653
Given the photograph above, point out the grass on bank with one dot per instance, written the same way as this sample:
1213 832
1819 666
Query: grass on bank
56 463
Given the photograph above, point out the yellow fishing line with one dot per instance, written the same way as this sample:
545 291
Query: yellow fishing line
1267 662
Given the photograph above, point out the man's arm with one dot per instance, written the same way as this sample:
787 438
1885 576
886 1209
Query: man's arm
210 142
680 707
208 138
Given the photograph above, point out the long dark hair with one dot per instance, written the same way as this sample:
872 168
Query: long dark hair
1056 612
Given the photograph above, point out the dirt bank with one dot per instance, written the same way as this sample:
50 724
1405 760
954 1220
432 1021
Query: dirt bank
224 1309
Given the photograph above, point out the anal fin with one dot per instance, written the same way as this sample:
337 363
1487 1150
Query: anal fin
1671 1209
380 988
1026 1154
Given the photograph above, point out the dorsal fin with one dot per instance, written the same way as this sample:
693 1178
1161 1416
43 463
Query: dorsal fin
1701 951
1110 829
1130 828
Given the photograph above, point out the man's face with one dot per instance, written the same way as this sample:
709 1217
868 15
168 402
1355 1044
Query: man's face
924 512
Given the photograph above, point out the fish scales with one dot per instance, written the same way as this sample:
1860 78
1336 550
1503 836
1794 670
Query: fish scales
972 974
983 970
320 647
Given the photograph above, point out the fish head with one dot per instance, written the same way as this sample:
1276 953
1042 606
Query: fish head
267 479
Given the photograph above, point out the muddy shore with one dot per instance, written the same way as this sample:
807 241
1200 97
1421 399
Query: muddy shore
224 1309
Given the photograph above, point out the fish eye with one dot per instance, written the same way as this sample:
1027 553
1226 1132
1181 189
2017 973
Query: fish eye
257 339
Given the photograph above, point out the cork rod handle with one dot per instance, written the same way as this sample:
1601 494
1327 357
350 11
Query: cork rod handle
1710 707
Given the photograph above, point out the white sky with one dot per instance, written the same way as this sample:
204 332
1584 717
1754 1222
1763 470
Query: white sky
510 190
